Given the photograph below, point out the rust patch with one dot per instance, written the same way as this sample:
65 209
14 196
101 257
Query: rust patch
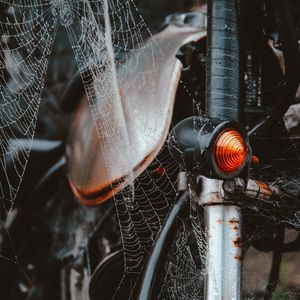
237 242
264 186
234 221
238 257
235 227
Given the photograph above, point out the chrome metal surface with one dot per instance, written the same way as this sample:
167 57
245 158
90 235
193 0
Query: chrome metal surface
222 222
215 191
223 230
95 164
255 189
224 258
211 191
182 182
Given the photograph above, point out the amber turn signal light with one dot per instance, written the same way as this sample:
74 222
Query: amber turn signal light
230 150
211 147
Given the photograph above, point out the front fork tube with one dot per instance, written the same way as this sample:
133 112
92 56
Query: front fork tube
223 226
223 222
224 258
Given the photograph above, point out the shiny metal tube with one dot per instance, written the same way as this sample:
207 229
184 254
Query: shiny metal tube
224 257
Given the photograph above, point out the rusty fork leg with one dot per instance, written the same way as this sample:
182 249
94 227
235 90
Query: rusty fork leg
224 257
223 222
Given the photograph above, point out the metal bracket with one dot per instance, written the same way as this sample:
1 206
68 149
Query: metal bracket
214 191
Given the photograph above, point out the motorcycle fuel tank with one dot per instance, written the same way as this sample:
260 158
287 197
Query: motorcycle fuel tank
98 163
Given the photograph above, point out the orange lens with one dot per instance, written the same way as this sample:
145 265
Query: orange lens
230 150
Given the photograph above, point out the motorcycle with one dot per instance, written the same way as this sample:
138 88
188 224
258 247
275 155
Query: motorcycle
194 138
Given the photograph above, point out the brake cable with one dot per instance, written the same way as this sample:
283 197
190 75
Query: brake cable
160 249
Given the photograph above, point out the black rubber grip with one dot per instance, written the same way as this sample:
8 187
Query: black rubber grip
223 60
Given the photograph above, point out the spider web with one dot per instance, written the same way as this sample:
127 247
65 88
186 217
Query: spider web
28 34
100 33
26 40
